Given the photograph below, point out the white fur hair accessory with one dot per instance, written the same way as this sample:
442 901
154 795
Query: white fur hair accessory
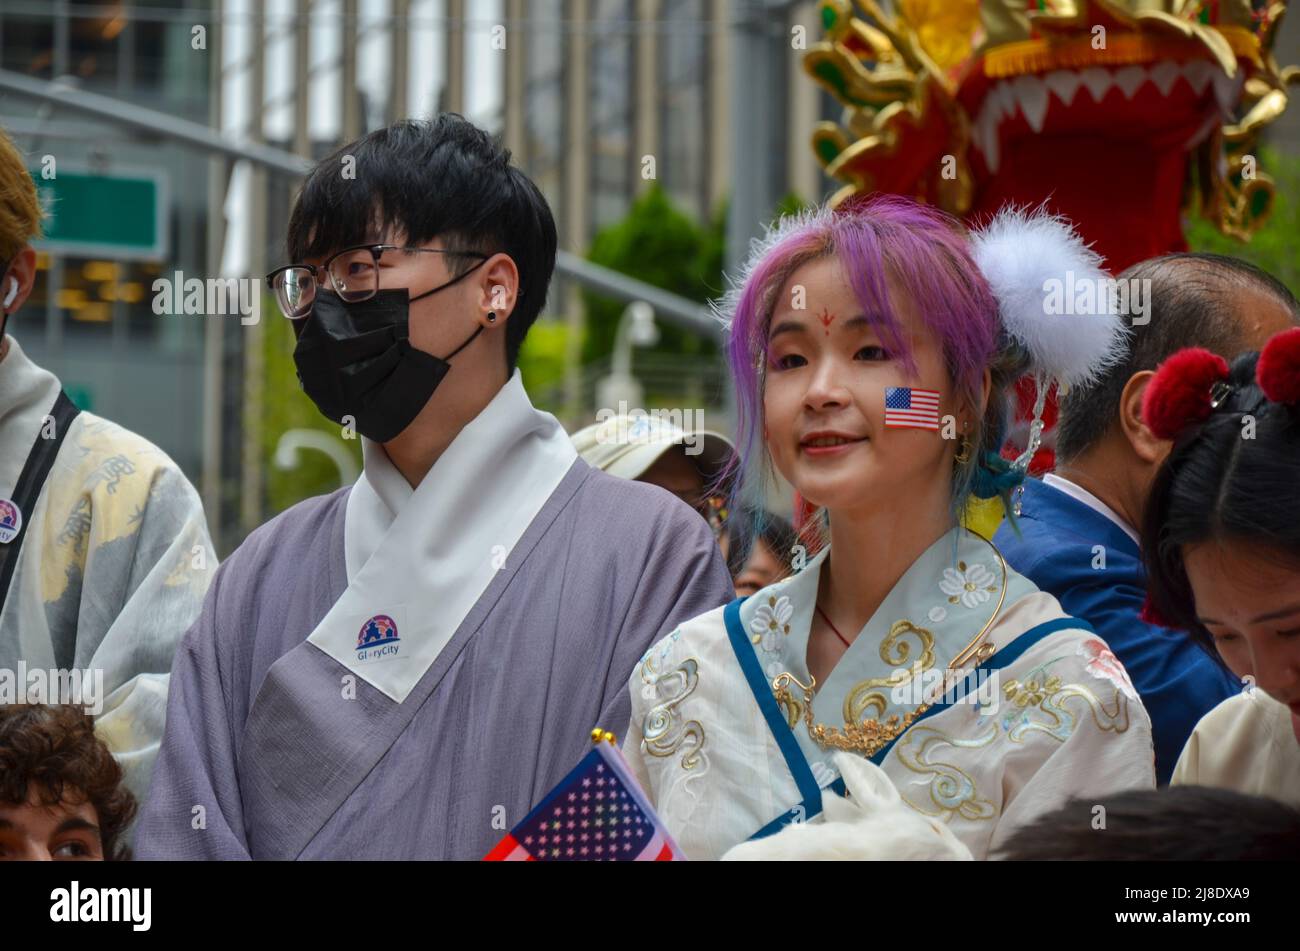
872 824
1033 261
1055 301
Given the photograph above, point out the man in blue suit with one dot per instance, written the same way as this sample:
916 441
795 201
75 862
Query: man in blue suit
1079 536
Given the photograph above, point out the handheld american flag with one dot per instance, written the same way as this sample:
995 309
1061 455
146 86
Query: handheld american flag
911 409
597 813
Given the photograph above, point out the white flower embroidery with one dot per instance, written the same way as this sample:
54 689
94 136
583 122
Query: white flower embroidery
969 586
771 622
938 614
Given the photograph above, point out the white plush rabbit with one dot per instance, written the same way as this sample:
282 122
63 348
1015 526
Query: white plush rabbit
873 822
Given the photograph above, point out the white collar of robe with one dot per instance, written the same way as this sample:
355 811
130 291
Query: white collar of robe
418 560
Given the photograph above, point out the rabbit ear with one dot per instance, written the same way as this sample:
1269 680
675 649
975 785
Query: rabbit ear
1022 254
867 783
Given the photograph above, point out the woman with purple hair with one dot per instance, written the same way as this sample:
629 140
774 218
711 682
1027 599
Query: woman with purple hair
874 349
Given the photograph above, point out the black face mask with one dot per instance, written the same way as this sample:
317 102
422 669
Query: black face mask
356 360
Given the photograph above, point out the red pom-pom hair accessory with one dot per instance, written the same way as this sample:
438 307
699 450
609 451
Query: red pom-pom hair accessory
1184 391
1278 368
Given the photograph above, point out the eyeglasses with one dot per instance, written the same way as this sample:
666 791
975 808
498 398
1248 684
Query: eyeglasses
353 273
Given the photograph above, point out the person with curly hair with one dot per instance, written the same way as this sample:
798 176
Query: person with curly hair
61 791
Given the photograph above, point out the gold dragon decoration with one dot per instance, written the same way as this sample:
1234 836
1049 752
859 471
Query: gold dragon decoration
943 99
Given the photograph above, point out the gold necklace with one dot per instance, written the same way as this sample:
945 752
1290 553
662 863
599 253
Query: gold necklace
873 734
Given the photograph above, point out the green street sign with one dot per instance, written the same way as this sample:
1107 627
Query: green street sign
120 216
83 397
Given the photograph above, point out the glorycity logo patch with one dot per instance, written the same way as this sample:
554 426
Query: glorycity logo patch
11 521
75 904
378 638
213 297
83 688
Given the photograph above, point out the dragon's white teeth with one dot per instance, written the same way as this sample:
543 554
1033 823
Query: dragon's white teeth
986 131
1064 83
1031 95
999 107
1227 90
1198 73
1129 80
1164 74
997 103
1097 81
1005 100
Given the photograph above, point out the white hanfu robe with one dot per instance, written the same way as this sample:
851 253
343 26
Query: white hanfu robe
722 760
1248 744
112 569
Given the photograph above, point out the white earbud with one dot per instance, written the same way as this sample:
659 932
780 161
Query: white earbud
13 291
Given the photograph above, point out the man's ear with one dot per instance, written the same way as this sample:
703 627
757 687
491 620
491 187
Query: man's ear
23 269
1146 445
498 288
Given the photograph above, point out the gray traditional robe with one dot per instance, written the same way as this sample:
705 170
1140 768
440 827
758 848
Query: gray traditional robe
274 751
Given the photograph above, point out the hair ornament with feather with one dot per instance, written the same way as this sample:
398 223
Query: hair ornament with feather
1021 253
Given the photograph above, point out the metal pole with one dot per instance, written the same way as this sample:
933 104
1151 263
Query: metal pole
301 71
153 124
254 359
453 89
752 123
213 336
754 126
577 191
400 40
677 310
351 98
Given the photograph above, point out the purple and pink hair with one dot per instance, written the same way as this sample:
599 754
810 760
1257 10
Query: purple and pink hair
881 242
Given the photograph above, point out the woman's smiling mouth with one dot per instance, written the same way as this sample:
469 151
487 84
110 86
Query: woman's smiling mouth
824 443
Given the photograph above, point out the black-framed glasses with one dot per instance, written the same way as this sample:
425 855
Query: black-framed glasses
353 274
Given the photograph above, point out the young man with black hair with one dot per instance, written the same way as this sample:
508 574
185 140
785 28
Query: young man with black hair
1079 535
403 668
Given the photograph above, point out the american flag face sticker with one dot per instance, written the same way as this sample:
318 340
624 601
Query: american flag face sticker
906 408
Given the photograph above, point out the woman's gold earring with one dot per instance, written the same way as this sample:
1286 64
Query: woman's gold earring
964 451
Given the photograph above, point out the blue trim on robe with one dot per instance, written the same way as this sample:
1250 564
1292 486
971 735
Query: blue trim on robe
789 746
811 803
